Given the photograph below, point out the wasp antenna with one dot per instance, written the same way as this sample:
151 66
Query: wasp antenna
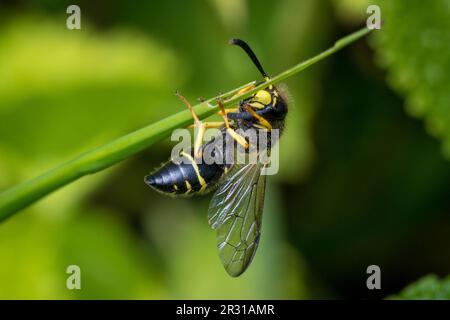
250 53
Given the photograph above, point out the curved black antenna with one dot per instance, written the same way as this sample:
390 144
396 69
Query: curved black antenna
250 53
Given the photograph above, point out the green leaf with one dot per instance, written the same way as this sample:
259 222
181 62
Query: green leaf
414 47
427 288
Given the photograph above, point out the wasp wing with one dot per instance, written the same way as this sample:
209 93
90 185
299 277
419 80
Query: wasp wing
235 212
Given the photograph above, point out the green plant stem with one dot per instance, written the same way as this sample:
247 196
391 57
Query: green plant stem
24 194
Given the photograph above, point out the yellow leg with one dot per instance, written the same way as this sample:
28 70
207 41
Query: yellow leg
240 139
244 90
197 124
260 119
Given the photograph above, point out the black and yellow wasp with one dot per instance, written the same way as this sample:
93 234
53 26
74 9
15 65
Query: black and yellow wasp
235 210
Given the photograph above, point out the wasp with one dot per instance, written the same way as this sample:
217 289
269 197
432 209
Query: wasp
236 208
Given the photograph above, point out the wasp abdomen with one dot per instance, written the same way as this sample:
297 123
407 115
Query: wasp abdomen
183 176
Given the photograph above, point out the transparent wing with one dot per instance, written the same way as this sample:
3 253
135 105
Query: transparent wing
235 212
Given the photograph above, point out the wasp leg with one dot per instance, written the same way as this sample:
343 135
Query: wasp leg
260 119
240 139
235 110
197 124
242 91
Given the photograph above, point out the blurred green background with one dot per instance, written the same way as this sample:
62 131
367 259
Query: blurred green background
364 161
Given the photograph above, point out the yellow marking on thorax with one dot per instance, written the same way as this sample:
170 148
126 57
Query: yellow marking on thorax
197 171
263 97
